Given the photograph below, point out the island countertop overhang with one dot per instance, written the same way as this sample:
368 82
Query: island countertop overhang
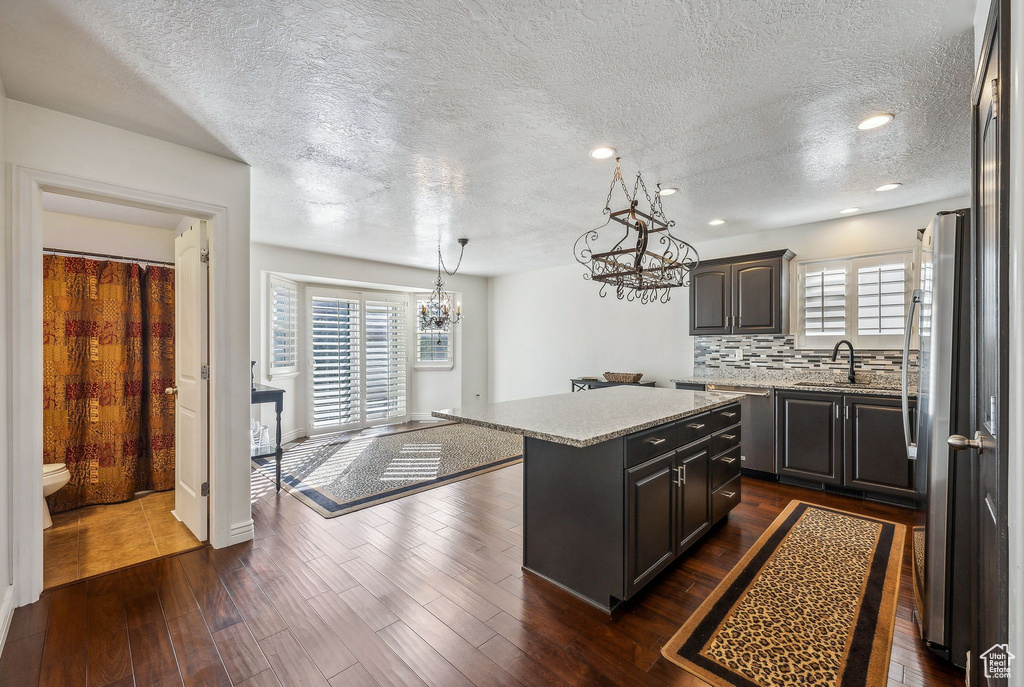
587 418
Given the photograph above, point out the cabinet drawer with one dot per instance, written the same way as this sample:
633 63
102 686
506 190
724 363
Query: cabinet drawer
725 466
693 428
725 439
725 498
653 442
723 417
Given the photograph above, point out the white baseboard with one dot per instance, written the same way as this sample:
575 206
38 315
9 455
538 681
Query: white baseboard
423 417
240 532
6 614
299 433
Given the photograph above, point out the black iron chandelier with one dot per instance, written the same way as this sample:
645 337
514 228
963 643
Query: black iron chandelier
647 261
438 313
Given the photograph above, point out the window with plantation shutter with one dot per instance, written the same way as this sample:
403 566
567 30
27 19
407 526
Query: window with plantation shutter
284 325
433 346
824 304
862 299
386 359
336 360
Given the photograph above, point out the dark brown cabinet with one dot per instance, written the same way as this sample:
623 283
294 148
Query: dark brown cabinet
851 440
651 500
876 453
692 517
809 436
746 294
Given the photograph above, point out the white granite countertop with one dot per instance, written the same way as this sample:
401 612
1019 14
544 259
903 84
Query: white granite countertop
871 387
586 418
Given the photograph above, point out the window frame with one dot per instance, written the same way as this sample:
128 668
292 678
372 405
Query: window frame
291 370
418 364
853 263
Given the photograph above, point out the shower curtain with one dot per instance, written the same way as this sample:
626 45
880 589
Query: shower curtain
107 353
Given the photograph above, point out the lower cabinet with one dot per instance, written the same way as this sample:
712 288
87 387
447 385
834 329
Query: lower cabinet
809 436
850 440
650 503
692 516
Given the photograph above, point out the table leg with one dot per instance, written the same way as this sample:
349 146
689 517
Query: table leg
278 452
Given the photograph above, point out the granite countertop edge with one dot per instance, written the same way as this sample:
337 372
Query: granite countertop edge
793 386
728 398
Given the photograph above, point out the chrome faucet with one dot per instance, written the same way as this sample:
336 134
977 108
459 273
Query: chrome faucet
835 352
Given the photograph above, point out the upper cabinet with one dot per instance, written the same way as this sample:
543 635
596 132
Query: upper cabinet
746 294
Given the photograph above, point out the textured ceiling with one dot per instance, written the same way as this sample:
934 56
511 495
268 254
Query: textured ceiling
372 127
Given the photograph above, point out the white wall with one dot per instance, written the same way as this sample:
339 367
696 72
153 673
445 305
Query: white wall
6 517
50 141
92 235
550 325
464 384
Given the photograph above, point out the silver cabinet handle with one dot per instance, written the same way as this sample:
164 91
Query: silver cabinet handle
681 476
728 494
730 437
728 414
697 426
728 461
655 442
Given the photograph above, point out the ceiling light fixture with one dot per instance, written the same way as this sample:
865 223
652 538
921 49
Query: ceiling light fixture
602 153
716 222
667 191
888 187
644 266
848 211
875 121
437 313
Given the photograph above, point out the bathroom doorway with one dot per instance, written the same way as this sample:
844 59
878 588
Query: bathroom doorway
124 338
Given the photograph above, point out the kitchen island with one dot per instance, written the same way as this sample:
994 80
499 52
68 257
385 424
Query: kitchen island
618 482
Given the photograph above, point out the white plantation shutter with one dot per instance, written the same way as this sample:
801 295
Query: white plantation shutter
824 301
386 359
432 345
284 325
863 299
336 359
882 291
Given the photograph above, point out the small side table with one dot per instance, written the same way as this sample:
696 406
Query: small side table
271 394
580 384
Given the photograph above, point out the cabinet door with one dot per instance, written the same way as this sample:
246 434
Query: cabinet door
876 456
650 497
710 299
757 297
692 474
809 436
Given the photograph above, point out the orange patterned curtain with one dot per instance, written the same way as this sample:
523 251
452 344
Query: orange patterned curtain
156 469
96 402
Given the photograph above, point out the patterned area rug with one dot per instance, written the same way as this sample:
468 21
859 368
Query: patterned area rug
813 602
338 473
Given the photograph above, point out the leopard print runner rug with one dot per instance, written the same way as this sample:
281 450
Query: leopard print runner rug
813 602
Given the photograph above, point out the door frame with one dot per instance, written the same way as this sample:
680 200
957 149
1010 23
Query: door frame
26 356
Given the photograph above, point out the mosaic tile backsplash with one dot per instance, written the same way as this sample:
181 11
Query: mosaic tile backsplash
781 353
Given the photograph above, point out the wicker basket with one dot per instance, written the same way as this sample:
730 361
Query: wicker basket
623 377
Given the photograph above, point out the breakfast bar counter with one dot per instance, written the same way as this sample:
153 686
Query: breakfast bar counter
618 482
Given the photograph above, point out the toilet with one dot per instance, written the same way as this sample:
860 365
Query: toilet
55 476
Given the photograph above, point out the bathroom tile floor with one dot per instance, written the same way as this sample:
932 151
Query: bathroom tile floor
98 539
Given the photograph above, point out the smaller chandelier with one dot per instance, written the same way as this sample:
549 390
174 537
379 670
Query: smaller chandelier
647 261
438 313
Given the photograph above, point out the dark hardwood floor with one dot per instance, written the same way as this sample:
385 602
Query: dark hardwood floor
427 589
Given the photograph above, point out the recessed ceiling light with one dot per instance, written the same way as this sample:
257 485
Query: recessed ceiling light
847 211
602 152
875 121
888 187
716 222
667 191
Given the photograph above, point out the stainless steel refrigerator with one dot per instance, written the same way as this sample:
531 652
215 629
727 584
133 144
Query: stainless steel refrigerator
940 316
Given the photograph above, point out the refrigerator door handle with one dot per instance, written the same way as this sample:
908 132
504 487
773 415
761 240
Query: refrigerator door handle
907 332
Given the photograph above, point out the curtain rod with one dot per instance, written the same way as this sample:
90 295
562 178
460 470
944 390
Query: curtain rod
105 256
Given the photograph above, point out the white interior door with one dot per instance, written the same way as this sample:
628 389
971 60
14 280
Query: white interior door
191 464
